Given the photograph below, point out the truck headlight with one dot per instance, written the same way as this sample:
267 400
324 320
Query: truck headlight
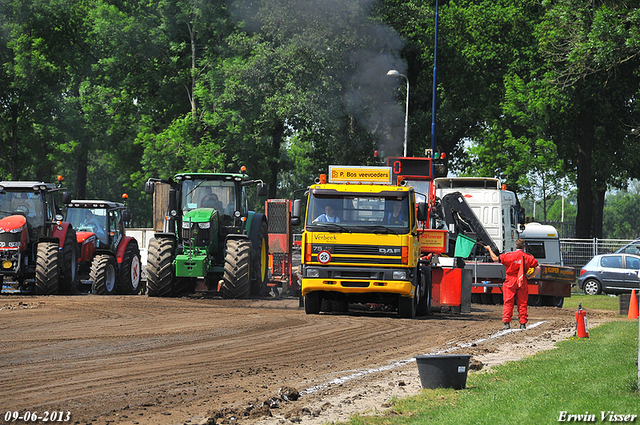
204 225
313 273
186 225
399 275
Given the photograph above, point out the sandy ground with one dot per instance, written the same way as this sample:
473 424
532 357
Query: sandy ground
201 360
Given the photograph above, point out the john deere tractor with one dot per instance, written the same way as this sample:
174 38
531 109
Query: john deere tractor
203 230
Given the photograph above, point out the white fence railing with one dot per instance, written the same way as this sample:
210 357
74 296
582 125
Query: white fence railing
577 252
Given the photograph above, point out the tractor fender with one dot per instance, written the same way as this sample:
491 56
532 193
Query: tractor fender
60 232
122 247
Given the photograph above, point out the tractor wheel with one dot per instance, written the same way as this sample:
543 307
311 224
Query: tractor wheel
69 265
160 268
260 262
130 271
47 268
236 282
103 275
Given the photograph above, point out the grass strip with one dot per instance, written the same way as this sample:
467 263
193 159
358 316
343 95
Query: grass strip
580 377
597 302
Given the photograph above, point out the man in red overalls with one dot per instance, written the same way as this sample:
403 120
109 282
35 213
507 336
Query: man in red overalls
517 263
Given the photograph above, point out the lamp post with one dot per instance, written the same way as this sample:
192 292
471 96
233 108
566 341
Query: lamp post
393 72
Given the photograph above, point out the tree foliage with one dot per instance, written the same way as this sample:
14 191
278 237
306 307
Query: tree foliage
109 93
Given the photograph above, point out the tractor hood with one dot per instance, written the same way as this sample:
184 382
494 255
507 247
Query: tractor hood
200 215
13 224
14 232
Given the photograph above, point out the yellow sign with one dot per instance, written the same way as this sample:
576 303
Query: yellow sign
434 241
356 174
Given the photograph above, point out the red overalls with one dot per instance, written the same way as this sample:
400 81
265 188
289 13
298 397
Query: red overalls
510 289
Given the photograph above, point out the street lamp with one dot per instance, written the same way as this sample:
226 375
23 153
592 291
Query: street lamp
393 72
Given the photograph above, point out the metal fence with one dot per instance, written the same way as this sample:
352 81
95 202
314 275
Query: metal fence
577 252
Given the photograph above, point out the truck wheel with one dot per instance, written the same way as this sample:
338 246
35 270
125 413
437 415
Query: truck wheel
535 300
103 275
160 267
424 302
235 279
260 262
130 271
47 277
69 266
557 301
407 307
340 306
312 303
592 287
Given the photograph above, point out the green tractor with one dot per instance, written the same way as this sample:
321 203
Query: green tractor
203 230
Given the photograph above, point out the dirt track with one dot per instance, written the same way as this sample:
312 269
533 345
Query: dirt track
140 360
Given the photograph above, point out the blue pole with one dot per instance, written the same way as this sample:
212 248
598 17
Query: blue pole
433 105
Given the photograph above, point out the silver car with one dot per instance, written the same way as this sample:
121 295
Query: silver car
610 274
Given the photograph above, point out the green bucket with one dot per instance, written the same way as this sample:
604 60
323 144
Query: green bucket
464 245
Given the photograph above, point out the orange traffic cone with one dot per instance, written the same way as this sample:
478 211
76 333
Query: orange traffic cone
633 306
581 323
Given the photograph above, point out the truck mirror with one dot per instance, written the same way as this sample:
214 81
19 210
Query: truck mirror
262 189
295 213
148 187
126 215
66 198
422 211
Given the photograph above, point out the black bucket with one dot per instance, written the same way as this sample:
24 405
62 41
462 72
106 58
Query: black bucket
443 371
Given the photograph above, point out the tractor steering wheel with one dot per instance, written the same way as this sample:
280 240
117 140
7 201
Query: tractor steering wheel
21 209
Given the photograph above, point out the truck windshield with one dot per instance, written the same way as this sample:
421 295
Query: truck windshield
216 194
358 213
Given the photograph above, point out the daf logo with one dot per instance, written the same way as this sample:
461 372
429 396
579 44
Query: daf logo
388 251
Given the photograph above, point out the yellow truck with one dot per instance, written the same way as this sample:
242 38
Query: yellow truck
360 242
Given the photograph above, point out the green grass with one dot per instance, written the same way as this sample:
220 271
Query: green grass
581 375
598 302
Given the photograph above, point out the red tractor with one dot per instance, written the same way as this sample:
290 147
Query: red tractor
109 260
38 250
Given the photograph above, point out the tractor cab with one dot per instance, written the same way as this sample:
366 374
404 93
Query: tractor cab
32 200
102 218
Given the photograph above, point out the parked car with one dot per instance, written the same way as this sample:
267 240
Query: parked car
630 248
610 274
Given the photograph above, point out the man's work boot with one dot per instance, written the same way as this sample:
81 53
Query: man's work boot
523 326
506 326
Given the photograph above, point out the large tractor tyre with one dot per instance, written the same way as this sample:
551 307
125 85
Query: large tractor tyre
103 275
69 265
130 270
235 280
312 303
184 286
260 261
160 267
407 307
47 277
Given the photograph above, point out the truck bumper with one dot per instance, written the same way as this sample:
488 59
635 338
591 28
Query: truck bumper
353 286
